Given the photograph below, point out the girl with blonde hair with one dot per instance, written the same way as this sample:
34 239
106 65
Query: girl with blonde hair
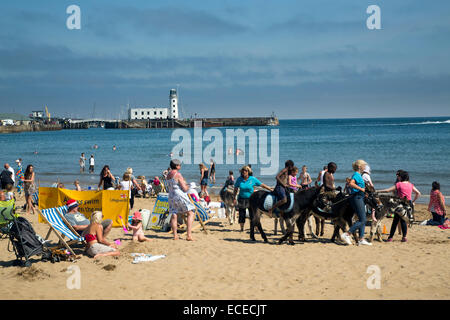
96 245
357 190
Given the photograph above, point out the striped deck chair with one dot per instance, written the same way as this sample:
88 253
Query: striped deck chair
201 214
35 198
54 217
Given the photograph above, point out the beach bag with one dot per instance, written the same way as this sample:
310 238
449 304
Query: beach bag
24 239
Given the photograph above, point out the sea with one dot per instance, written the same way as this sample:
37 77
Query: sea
420 146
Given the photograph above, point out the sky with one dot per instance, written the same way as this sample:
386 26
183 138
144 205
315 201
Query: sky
298 59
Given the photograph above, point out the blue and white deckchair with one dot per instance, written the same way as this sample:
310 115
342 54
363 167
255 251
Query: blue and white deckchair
54 217
35 198
201 214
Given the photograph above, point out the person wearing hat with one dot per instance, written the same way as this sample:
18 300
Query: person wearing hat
192 192
179 202
79 221
136 226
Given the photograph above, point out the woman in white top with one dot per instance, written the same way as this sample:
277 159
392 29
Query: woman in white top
179 202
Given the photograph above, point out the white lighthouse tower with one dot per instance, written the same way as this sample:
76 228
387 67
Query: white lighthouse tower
173 103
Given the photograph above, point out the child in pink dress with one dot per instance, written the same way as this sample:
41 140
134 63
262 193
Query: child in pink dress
136 226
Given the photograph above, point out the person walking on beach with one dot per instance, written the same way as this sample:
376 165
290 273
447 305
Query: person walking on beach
179 202
403 188
212 172
29 188
305 178
245 185
357 186
203 180
96 243
91 164
106 179
82 162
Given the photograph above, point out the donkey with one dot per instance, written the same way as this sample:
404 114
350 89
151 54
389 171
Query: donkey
391 204
342 212
297 203
227 196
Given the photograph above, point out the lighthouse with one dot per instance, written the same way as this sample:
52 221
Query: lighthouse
173 103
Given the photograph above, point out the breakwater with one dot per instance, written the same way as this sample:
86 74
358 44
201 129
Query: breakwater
30 127
190 123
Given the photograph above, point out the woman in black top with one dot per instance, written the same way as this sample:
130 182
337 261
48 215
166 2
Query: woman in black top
106 179
212 172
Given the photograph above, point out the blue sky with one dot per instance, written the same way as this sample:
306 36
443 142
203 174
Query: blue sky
300 59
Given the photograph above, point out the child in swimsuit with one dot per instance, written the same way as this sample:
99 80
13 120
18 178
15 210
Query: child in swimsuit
136 226
292 180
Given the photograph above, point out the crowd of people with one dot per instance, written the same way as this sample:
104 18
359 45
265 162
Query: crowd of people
289 179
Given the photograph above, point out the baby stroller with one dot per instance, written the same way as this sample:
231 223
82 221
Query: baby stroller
25 242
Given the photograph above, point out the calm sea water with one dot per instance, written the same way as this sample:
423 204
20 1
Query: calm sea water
419 145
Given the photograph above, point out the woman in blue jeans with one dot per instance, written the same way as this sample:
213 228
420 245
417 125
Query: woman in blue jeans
357 189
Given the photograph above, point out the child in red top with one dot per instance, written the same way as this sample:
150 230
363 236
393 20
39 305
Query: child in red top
436 205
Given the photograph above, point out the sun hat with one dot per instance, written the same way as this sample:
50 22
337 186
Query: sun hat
137 216
71 204
193 185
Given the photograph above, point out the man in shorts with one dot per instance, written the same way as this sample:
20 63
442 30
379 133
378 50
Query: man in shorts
79 222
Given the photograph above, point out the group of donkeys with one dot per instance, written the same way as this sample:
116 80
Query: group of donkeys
306 203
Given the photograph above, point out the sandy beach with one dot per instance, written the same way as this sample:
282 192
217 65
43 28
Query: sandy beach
224 264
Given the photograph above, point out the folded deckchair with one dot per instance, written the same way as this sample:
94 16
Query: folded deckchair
7 215
54 217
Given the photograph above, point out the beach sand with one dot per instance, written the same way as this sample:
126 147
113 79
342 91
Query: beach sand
224 264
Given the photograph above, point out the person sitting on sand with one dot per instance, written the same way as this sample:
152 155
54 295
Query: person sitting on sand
79 222
136 226
436 206
96 243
